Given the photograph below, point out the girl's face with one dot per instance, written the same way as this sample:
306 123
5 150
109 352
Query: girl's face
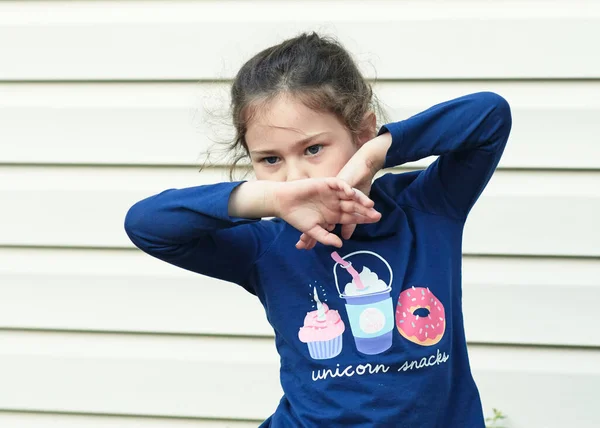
288 141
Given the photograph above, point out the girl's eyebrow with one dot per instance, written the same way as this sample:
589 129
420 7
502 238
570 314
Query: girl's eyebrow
297 143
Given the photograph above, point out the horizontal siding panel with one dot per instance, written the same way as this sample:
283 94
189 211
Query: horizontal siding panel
166 123
520 213
538 388
201 377
143 40
118 290
139 375
128 291
50 420
531 301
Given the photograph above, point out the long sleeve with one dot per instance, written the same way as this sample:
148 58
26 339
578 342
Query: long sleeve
191 228
468 134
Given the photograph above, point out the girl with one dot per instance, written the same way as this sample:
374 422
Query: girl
370 334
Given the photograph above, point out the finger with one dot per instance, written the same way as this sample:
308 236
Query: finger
305 238
354 218
330 227
363 199
358 197
356 207
348 230
324 237
303 242
346 190
308 242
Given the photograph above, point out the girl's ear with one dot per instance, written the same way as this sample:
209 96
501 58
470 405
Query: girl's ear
368 128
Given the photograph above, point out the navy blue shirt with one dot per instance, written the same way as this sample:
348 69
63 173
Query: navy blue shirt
370 335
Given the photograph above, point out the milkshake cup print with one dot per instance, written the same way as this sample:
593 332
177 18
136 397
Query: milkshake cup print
368 303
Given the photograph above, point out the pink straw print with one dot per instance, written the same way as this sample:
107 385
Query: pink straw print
348 266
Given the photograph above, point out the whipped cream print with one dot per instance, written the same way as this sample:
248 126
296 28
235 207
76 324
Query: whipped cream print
370 369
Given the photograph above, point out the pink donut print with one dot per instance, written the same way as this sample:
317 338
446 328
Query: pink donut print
426 329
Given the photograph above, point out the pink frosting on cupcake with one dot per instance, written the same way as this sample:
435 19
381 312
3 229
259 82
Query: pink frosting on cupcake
316 330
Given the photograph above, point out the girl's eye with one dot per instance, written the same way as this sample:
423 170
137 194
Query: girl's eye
313 150
271 160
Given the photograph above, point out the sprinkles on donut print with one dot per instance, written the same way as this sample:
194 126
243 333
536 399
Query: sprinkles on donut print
419 326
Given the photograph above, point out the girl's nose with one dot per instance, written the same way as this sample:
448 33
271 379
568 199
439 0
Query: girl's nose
296 172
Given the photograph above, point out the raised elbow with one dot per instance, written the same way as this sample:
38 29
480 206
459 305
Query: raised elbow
499 109
134 223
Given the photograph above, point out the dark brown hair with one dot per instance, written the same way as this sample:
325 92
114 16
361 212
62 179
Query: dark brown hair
316 70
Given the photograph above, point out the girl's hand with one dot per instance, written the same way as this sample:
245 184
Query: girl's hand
358 172
314 206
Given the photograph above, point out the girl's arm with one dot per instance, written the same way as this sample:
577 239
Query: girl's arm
469 135
192 228
214 229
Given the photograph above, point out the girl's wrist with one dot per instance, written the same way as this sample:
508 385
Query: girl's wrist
375 150
254 199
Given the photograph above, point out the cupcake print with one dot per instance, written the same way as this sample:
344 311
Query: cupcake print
322 331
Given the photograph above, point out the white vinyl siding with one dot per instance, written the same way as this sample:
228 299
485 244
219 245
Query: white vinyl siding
102 104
